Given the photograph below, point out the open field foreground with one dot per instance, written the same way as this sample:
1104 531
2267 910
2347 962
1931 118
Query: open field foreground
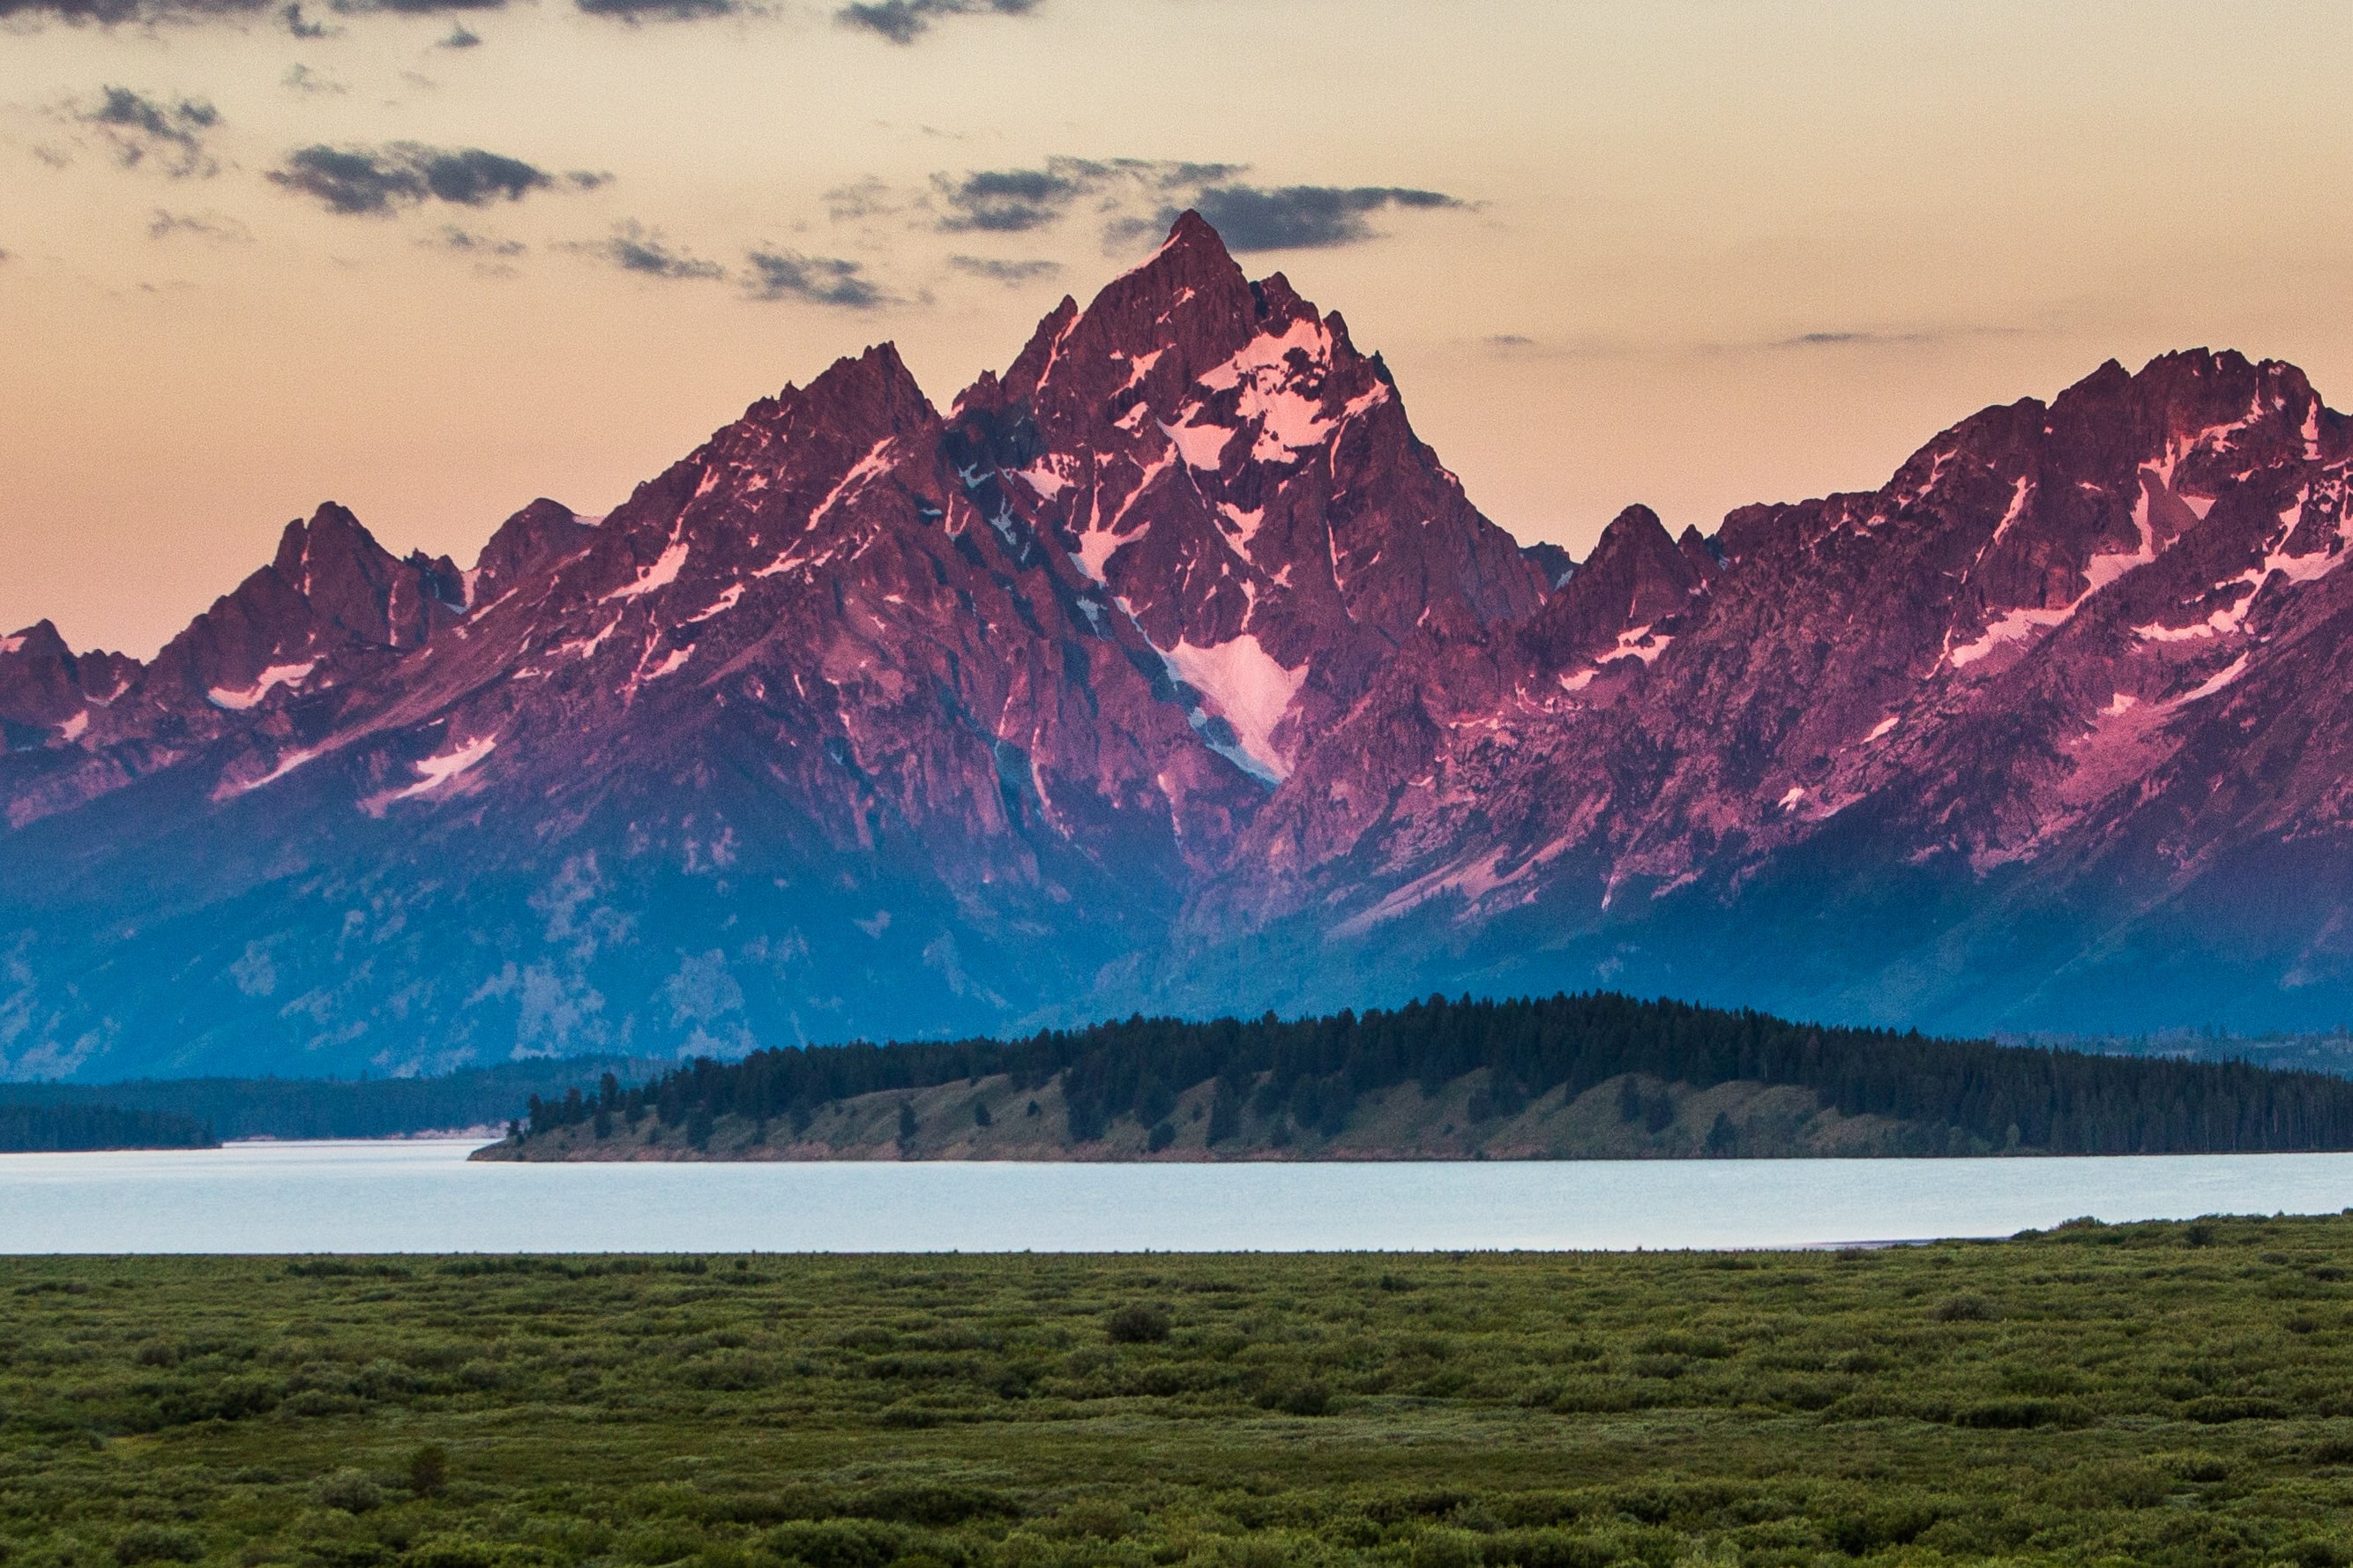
2162 1394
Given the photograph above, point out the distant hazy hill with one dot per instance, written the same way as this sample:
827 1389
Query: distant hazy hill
1596 1076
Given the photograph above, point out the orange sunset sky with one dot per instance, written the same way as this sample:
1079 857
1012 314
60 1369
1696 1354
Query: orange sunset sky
432 260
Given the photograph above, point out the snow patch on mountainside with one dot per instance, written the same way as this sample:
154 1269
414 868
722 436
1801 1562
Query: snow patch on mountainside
1245 686
661 575
1201 445
435 773
289 675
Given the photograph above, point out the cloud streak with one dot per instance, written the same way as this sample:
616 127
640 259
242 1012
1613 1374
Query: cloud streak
201 226
768 273
1005 272
904 21
375 182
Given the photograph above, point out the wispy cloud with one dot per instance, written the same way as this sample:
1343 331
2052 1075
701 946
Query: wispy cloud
815 279
1847 339
904 21
212 226
466 242
633 247
373 181
153 131
1005 272
301 79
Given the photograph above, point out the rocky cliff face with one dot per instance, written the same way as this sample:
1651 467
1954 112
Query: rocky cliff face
1170 668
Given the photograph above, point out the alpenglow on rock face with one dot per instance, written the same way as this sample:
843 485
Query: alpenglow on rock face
1170 670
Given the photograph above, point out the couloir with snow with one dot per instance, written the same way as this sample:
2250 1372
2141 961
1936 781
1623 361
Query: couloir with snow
1170 670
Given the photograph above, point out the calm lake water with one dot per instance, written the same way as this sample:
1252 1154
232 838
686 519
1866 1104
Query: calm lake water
423 1197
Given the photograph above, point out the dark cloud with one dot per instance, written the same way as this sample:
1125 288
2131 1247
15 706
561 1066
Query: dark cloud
587 179
143 129
636 248
290 15
461 38
111 12
904 21
818 280
414 7
658 10
1137 197
1300 218
205 226
1007 201
1007 272
1016 201
1508 340
374 181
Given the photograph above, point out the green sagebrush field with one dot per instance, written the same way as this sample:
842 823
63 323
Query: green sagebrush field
2157 1394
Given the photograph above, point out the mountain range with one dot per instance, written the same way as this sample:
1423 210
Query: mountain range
1170 670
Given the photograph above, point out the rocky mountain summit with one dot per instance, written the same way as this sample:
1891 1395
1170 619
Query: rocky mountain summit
1169 668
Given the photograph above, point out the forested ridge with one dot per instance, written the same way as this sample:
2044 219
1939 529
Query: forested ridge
324 1107
55 1129
1311 1073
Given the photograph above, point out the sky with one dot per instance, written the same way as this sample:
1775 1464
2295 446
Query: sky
433 260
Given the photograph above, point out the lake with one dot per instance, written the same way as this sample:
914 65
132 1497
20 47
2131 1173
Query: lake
422 1196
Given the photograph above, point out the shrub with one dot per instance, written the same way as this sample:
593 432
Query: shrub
156 1543
428 1469
465 1551
836 1544
1137 1324
354 1492
1964 1309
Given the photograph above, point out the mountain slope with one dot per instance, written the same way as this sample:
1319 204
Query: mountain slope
1169 668
2008 740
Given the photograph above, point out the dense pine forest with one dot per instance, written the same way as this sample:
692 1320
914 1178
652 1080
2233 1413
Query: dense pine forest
1306 1080
320 1108
55 1129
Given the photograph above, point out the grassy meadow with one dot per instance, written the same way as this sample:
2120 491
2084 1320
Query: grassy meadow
2157 1394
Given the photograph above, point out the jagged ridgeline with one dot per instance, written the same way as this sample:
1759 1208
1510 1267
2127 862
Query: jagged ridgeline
1588 1076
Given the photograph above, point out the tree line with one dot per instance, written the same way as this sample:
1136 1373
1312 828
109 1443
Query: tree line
1312 1071
334 1108
56 1129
